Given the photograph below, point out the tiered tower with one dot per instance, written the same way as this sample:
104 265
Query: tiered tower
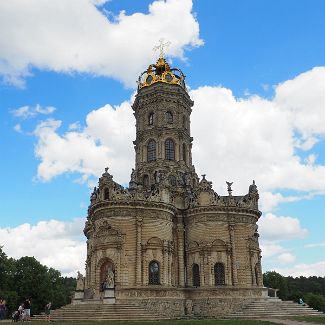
169 242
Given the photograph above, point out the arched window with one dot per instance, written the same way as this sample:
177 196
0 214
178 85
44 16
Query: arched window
151 150
154 277
106 194
169 117
219 274
196 275
150 118
169 149
184 152
145 181
256 273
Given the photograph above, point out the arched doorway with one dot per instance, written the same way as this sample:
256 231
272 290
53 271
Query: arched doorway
107 281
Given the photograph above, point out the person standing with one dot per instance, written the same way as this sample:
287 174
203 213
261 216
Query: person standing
47 310
2 309
27 304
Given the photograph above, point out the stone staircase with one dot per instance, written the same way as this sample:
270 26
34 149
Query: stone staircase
99 312
273 307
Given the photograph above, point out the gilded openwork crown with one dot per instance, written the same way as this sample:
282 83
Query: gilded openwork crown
161 72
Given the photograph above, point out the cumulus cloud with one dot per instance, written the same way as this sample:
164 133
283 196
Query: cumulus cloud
275 228
286 258
257 138
105 141
25 112
76 36
54 243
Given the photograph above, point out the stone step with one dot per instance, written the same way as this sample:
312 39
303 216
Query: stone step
99 312
273 308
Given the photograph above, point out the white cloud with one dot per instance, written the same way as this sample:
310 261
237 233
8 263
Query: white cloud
54 243
274 228
26 111
18 128
75 36
314 269
256 138
286 258
270 249
106 140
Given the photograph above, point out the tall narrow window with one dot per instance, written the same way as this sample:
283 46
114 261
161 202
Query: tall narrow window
196 275
184 152
145 181
154 273
151 150
150 118
169 117
169 149
219 274
106 194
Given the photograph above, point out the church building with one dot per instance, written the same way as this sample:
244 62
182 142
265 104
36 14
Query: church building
169 242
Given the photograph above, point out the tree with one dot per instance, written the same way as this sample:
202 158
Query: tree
275 280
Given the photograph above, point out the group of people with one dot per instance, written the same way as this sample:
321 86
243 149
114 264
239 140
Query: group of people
22 314
3 309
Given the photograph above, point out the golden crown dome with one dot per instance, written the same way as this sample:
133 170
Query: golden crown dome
161 72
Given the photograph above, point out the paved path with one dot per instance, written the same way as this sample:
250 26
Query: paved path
287 321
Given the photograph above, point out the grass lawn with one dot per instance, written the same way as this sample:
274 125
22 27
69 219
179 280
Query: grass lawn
313 319
171 322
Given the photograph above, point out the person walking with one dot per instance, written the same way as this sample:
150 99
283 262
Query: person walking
47 310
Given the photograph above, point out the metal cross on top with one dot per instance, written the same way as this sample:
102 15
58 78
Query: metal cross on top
161 47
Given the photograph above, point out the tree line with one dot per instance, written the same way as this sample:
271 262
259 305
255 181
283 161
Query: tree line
27 278
311 289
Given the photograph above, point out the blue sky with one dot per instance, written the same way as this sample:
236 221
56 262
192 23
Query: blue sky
255 69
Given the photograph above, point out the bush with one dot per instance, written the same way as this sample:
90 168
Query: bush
315 301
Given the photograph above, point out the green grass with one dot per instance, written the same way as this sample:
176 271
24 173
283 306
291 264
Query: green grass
311 319
171 322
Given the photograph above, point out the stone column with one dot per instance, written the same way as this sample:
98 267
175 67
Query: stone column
169 265
180 251
233 254
202 282
229 267
251 256
138 268
165 263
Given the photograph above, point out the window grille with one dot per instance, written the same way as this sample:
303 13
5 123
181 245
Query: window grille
169 149
219 274
151 148
154 273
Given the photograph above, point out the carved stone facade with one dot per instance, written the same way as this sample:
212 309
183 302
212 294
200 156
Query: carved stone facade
173 244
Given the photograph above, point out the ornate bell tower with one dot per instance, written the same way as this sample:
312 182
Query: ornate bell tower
163 144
